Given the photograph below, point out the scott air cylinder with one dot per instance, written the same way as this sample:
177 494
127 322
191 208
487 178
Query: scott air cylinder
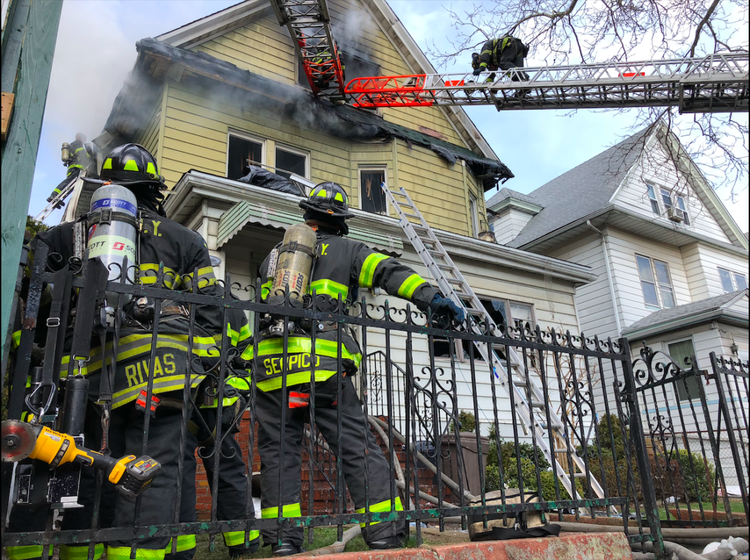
65 152
294 265
112 233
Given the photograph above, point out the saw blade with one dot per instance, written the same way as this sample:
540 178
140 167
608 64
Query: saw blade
18 440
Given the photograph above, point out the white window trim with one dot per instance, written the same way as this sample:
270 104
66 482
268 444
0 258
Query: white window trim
673 196
474 211
656 282
251 138
384 169
295 151
731 278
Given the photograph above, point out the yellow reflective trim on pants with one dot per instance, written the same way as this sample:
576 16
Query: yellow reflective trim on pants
409 286
16 338
123 553
295 379
184 542
380 507
80 552
367 273
26 552
289 510
329 288
237 538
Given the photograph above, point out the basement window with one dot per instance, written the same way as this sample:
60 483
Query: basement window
290 161
243 150
371 196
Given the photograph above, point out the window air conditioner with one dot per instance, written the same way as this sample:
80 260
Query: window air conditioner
674 215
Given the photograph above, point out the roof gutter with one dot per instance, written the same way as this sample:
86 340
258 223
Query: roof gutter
605 248
725 315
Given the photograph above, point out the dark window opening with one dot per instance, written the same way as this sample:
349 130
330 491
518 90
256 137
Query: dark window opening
290 162
372 196
240 151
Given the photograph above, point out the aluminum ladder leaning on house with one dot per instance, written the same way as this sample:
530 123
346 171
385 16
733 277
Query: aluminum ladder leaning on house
453 285
309 25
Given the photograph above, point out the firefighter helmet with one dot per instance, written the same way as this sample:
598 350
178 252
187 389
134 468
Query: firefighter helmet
329 199
132 163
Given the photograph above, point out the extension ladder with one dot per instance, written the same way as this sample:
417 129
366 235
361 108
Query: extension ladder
309 26
453 285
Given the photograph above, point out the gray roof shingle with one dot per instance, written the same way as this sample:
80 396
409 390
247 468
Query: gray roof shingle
681 311
581 191
504 193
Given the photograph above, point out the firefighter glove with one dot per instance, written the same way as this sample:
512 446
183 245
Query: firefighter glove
477 71
444 306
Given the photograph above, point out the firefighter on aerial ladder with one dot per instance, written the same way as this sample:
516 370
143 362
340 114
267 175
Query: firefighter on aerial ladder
504 53
336 267
77 156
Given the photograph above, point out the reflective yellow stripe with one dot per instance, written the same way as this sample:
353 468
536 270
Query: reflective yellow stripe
172 280
329 288
245 333
184 542
368 269
107 164
300 345
236 538
338 197
289 510
80 552
150 168
16 338
406 290
205 278
130 165
381 507
265 289
26 552
123 553
295 379
161 385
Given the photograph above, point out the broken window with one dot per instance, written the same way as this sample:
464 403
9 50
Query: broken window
241 151
371 194
288 162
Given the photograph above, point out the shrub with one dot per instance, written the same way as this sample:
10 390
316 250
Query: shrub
684 475
466 422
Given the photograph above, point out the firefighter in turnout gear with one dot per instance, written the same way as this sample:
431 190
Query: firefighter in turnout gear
187 267
504 53
341 267
232 500
77 156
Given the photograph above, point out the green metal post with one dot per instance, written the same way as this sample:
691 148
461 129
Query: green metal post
28 47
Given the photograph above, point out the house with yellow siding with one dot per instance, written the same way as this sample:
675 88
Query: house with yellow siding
225 90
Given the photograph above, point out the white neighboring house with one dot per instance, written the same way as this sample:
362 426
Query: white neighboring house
672 264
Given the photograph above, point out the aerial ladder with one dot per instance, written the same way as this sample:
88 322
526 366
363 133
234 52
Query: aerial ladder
309 25
716 83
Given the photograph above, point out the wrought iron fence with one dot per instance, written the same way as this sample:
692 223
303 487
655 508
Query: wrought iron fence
697 436
412 388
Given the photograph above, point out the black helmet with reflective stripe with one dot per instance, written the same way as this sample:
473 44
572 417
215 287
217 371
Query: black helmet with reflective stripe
132 163
328 199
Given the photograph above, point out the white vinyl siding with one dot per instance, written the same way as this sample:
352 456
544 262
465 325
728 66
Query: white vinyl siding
634 194
509 224
703 263
623 250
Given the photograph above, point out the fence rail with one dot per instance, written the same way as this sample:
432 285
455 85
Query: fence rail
412 389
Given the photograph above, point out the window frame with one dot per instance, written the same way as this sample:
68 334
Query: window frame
675 198
651 190
657 285
682 366
474 214
295 151
249 138
732 279
372 167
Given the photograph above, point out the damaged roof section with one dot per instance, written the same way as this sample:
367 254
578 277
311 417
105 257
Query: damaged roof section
158 60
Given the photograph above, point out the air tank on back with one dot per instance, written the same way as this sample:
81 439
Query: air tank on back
113 240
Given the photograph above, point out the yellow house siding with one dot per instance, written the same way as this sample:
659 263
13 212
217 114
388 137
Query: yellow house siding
149 138
263 47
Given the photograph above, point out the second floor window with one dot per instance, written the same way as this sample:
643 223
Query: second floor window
656 283
370 192
732 281
670 201
242 150
290 161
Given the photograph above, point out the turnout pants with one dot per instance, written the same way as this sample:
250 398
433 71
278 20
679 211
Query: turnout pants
232 495
512 57
366 470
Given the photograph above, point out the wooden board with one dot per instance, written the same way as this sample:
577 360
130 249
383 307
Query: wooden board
7 111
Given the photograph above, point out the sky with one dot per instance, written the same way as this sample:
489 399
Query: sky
96 49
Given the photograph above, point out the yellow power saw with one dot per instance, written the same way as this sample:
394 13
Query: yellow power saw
131 475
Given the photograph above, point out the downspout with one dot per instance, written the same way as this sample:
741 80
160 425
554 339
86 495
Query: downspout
609 276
